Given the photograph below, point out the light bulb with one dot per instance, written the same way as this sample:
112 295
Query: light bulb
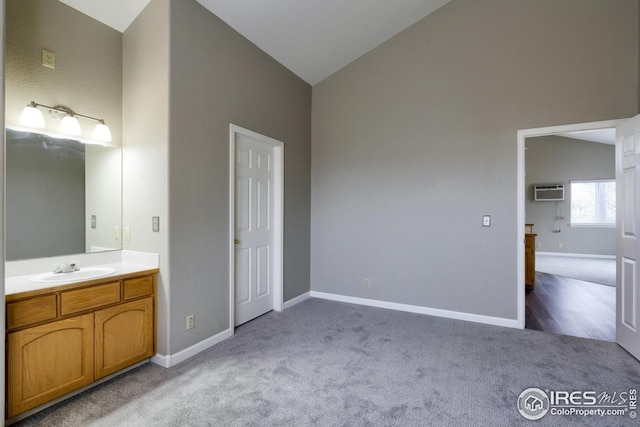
70 125
32 117
102 133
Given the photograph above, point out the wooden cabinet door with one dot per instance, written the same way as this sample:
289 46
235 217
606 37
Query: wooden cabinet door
48 361
530 260
124 335
529 279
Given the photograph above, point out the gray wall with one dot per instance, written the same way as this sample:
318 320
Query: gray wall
145 161
217 78
413 142
88 74
2 112
45 196
552 159
187 76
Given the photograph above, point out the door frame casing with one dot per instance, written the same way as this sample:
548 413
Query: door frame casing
523 134
278 216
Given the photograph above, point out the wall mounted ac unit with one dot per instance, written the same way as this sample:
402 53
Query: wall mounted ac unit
548 192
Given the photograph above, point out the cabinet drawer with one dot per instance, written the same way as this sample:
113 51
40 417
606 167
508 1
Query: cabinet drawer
88 298
138 287
30 311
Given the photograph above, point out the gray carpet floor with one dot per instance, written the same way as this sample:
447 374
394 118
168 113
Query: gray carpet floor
594 270
323 363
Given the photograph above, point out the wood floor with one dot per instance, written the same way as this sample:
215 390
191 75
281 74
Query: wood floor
571 307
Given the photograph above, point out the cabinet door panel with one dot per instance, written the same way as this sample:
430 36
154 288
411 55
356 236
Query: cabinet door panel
48 361
530 260
124 335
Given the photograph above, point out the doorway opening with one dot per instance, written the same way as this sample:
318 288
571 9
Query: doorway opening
556 302
256 211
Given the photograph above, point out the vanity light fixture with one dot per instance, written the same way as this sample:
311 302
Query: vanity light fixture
32 117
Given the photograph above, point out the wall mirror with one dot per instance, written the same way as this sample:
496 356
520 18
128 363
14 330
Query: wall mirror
63 196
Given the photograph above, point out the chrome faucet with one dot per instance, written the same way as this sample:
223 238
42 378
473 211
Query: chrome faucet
66 268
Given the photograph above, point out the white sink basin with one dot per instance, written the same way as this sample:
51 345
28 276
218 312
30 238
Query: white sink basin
82 274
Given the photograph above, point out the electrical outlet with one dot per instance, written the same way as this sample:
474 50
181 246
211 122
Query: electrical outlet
155 223
191 321
48 59
560 245
486 221
539 244
367 283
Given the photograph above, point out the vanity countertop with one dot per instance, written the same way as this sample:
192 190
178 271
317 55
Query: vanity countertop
22 285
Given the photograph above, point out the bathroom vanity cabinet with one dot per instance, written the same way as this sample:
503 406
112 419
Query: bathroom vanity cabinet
63 338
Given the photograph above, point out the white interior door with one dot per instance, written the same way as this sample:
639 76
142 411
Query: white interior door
628 242
254 228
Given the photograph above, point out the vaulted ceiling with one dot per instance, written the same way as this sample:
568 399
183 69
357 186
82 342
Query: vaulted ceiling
312 38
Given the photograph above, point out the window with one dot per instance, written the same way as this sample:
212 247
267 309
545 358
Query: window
593 203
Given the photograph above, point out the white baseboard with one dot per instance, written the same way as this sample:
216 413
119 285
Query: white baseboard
296 300
167 361
564 254
478 318
161 360
181 356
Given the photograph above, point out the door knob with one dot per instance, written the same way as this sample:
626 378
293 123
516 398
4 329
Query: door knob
236 241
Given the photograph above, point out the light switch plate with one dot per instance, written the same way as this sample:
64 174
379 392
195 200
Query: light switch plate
486 221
